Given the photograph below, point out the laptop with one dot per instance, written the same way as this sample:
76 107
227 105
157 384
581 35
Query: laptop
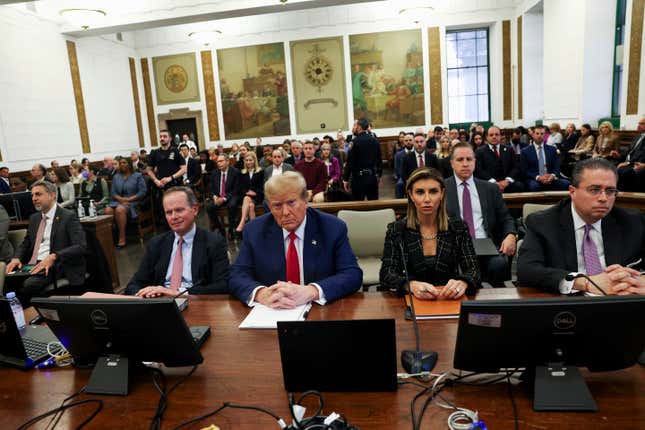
351 355
22 348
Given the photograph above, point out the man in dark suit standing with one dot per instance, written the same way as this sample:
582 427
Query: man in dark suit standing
295 254
497 164
631 172
480 204
224 189
408 145
364 164
186 258
193 168
5 185
540 165
420 157
585 234
54 246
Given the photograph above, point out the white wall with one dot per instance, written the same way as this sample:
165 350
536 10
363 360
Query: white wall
533 67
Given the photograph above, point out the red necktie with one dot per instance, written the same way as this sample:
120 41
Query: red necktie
177 266
222 188
293 266
421 163
39 238
496 151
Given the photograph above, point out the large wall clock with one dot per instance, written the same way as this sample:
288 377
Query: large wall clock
318 71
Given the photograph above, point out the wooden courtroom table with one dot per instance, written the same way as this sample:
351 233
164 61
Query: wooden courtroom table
101 226
243 367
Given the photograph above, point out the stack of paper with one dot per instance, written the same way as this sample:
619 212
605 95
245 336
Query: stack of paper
265 317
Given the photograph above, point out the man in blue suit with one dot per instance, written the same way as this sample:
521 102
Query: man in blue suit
5 186
540 165
295 254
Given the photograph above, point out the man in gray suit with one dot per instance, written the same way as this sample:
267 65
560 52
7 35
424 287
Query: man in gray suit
480 204
53 248
278 167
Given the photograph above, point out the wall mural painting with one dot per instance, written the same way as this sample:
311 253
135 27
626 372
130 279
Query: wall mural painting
319 85
253 84
176 79
387 78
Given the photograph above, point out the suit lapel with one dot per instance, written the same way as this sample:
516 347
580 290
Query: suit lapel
199 248
611 240
483 202
568 238
310 248
276 252
453 201
164 260
55 224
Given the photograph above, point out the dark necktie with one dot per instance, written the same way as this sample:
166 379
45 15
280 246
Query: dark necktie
39 239
222 188
496 151
467 210
421 162
293 265
590 253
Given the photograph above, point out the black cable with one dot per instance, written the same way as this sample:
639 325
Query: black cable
306 421
224 406
161 385
510 394
57 416
199 418
63 408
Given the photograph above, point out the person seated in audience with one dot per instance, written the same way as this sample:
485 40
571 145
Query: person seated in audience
6 248
66 196
224 190
540 165
453 134
39 173
234 154
419 158
279 166
480 204
585 234
332 164
54 164
477 140
266 158
496 163
108 170
138 164
333 148
631 171
251 188
296 153
75 173
85 164
286 145
295 254
584 146
607 143
408 145
436 250
18 184
184 258
314 172
239 164
193 170
96 188
570 138
54 245
193 153
555 136
186 139
128 189
443 148
143 155
5 182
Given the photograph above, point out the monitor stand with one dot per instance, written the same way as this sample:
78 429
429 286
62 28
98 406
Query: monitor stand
559 387
110 376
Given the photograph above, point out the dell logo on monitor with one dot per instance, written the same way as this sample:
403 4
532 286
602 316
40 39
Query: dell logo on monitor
99 317
564 321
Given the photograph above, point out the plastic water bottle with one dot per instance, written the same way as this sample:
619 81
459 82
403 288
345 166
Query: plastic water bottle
92 209
16 308
81 210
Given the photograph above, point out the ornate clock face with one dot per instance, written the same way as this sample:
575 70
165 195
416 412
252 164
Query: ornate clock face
318 71
175 78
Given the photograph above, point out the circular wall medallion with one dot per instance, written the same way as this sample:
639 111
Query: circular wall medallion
175 78
318 71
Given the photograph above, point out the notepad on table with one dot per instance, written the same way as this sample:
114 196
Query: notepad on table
265 317
435 309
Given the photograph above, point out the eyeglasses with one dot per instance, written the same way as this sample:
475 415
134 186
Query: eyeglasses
595 191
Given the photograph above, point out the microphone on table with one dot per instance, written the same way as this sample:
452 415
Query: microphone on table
571 277
416 361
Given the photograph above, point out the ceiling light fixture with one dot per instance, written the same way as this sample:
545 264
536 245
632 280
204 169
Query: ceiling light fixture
417 14
84 18
206 37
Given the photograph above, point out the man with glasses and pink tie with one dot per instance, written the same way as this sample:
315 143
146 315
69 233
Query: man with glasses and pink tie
585 235
185 258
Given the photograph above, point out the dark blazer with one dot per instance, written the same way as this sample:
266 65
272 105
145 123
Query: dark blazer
410 163
498 222
255 184
529 161
210 268
232 183
286 167
328 258
455 253
6 248
490 167
67 241
193 170
636 153
4 187
548 252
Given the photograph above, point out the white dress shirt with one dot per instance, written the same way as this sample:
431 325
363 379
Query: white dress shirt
478 216
596 237
187 257
276 171
299 241
423 157
45 246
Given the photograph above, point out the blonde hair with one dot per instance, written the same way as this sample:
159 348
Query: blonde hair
555 128
442 214
608 124
256 167
288 181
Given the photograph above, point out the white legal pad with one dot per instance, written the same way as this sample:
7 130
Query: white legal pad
265 317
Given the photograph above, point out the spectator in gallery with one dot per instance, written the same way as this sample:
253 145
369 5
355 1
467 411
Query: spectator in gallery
584 147
193 153
54 164
39 173
5 183
65 195
186 139
332 164
607 143
266 158
76 173
251 189
18 184
138 164
555 138
108 170
314 172
95 188
128 189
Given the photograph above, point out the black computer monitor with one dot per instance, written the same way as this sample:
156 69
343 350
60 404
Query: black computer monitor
115 334
551 338
19 205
